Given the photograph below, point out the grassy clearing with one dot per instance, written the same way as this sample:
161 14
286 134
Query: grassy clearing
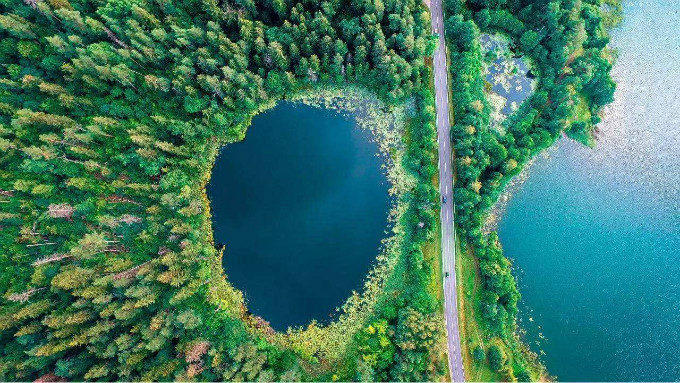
468 298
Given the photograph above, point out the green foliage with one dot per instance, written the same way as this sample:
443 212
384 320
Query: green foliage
497 357
111 114
375 343
432 44
523 375
566 43
478 353
499 300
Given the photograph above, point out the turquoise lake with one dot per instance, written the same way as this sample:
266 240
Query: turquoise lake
301 206
594 234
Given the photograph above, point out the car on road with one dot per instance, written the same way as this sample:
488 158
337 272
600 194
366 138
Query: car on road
446 274
444 199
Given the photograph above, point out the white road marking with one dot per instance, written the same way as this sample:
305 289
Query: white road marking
448 260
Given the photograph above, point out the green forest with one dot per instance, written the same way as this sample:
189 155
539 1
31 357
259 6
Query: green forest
112 114
566 42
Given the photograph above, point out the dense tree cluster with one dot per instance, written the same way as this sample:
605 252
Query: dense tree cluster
566 43
111 114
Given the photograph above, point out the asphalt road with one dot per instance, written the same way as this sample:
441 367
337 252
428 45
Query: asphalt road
441 86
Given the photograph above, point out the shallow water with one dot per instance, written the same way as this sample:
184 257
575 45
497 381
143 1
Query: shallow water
508 77
301 206
595 234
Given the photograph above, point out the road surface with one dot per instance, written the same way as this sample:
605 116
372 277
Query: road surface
441 87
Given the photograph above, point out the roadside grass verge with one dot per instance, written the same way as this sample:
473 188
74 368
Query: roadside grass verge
468 294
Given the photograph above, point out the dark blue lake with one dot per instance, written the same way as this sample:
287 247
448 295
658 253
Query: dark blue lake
301 206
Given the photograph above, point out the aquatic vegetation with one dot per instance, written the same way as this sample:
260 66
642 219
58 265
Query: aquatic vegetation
508 78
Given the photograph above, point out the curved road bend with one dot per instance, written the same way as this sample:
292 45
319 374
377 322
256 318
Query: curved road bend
441 87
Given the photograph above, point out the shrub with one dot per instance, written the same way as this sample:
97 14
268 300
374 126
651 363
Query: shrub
497 357
478 353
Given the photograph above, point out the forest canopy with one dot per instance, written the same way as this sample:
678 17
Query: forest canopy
111 115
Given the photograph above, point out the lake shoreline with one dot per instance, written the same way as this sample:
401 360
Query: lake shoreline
386 126
604 239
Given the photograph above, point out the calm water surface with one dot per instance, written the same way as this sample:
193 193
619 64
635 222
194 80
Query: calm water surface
595 234
301 205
